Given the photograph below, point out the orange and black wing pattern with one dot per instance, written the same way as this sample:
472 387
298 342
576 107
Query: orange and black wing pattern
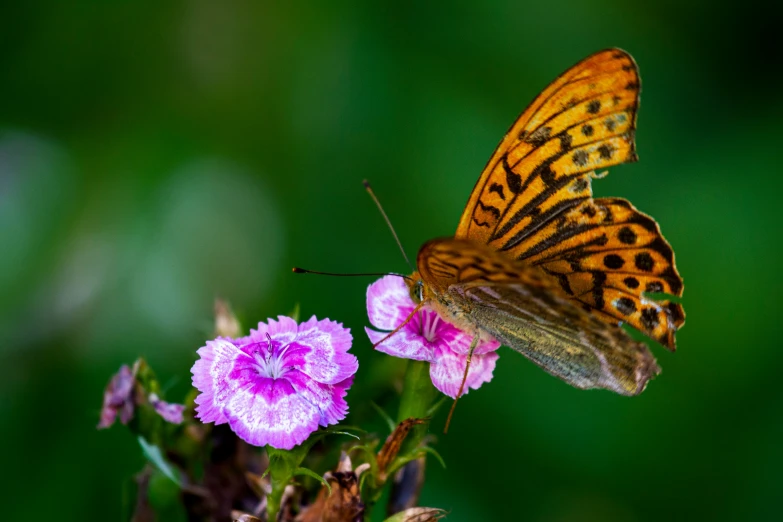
521 306
584 121
533 201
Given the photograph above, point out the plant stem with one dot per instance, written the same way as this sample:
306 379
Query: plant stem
418 396
275 496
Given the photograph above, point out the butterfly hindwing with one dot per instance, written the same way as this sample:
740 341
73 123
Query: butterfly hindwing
526 310
608 255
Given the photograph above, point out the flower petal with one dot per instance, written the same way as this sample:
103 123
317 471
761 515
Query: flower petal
210 374
320 350
328 398
459 342
388 302
169 411
448 368
269 411
284 330
405 344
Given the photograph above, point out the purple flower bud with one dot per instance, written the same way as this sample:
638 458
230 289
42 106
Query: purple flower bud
169 411
118 397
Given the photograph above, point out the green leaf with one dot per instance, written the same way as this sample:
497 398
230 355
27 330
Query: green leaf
385 416
434 408
662 296
431 451
154 455
295 313
312 474
337 432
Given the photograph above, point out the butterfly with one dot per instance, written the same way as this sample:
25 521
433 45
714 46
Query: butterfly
543 267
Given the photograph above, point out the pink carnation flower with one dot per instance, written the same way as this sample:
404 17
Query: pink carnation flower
278 384
427 337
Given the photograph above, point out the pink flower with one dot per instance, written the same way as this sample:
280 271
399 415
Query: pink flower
427 337
278 384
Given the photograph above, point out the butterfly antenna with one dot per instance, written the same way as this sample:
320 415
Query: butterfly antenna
298 270
388 222
462 385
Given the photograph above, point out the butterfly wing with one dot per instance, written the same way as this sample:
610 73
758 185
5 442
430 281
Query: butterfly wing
529 312
534 202
606 254
584 121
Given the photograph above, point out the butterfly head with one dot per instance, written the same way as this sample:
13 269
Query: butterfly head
416 287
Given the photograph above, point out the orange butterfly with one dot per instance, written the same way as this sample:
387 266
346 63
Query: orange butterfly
540 265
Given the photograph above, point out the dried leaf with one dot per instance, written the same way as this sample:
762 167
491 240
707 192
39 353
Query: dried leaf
418 514
393 443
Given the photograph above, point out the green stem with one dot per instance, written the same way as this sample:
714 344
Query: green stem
418 396
275 496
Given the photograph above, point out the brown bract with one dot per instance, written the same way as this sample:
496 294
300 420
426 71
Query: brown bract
343 504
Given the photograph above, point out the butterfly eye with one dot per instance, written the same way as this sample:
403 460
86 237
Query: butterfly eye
417 291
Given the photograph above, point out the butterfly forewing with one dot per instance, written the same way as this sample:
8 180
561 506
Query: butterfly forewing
530 313
583 121
534 202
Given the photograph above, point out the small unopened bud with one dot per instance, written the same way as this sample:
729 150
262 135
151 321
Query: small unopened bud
226 323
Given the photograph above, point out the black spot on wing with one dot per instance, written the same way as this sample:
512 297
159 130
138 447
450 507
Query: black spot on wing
650 318
565 141
580 158
587 130
539 136
513 180
613 261
631 282
489 208
625 306
498 189
627 236
594 106
644 261
606 151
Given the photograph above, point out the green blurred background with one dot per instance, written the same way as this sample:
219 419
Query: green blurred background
156 155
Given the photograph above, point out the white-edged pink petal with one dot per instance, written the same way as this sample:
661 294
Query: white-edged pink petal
269 411
388 302
283 331
405 344
210 372
320 350
447 369
328 398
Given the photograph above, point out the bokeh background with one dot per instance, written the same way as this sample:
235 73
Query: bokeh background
156 155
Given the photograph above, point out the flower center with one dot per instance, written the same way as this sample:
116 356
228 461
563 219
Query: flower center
270 362
429 325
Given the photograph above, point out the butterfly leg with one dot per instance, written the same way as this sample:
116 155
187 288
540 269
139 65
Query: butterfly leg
473 345
407 319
